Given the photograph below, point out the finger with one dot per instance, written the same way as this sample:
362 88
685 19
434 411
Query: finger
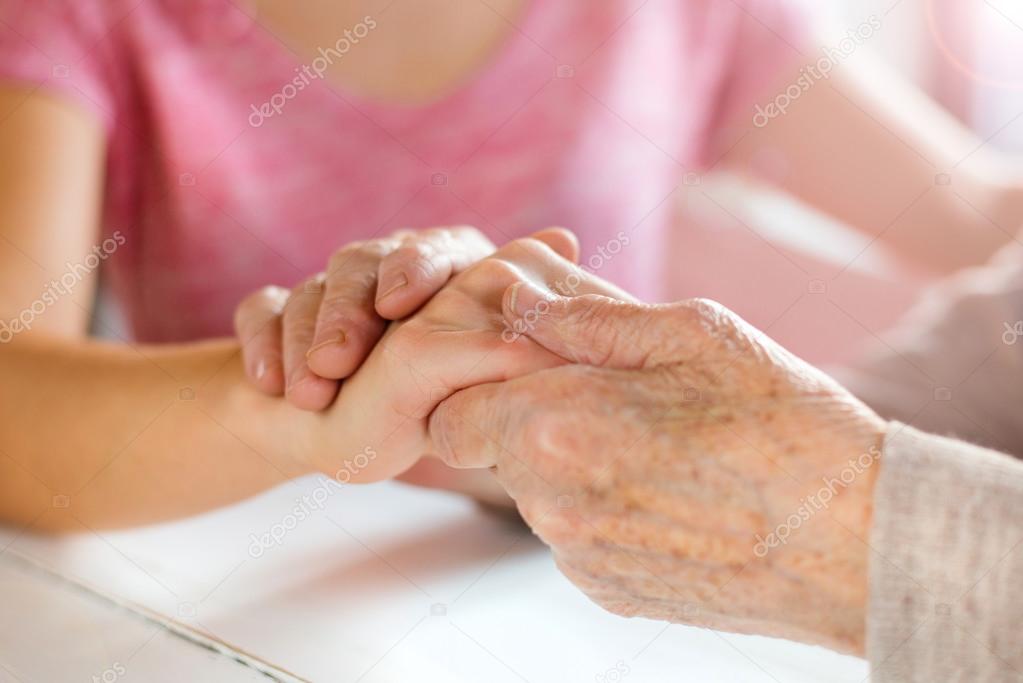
347 324
542 265
304 388
480 484
483 426
469 428
257 324
415 271
562 240
599 330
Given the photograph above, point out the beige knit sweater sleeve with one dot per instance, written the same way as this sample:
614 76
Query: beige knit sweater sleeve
946 573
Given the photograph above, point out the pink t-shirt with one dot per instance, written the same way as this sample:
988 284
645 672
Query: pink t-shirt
231 165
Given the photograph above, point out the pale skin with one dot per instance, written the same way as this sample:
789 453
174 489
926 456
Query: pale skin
54 149
138 454
678 436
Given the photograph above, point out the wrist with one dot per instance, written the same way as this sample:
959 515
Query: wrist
274 432
849 585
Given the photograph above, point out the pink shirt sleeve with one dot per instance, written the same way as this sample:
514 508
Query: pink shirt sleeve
63 46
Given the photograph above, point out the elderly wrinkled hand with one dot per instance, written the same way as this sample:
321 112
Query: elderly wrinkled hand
684 467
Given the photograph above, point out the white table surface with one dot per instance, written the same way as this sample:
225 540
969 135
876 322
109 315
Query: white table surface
52 630
385 583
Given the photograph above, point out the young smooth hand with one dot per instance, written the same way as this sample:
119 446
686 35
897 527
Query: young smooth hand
302 342
458 339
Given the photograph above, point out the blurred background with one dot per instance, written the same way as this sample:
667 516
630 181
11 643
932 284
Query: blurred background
968 56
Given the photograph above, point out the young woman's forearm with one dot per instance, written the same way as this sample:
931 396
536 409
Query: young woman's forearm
877 154
100 435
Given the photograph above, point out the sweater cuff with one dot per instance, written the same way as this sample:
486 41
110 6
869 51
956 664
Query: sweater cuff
946 569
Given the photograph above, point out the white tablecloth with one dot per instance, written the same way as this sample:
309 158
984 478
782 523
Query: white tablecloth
389 583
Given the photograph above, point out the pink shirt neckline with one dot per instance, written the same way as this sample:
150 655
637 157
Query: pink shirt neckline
492 68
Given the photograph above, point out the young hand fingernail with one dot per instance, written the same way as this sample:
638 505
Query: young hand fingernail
336 340
393 285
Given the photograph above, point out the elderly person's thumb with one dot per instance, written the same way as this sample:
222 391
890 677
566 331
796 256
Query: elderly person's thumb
598 330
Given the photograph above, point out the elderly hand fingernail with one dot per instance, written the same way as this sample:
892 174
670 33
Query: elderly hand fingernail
261 368
393 284
336 340
525 297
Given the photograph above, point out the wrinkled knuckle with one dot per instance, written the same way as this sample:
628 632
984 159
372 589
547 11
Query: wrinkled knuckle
357 254
310 286
270 293
353 284
377 249
342 259
553 445
591 316
351 313
347 251
415 258
545 434
710 325
705 314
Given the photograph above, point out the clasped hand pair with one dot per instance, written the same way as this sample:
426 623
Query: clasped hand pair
652 447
